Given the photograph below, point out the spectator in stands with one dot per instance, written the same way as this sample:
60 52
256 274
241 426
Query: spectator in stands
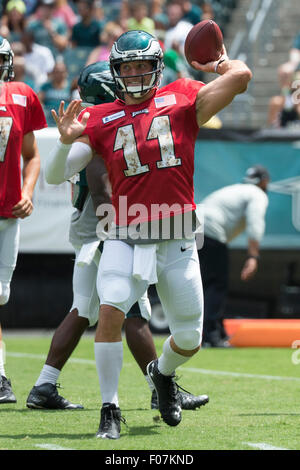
207 10
154 7
86 33
20 72
31 6
18 48
109 35
139 19
39 60
25 76
161 24
227 213
48 31
284 109
57 88
174 67
287 69
114 10
65 12
13 21
191 13
178 28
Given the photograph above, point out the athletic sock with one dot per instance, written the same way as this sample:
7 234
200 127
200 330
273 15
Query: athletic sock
109 360
169 359
2 369
48 375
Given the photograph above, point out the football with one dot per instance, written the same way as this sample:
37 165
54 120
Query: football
204 42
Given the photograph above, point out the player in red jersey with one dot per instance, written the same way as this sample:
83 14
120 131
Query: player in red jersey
20 114
147 140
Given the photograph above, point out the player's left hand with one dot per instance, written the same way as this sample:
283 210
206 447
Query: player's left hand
67 123
23 208
249 269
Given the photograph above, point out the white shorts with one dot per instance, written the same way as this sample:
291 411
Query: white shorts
9 246
85 296
179 284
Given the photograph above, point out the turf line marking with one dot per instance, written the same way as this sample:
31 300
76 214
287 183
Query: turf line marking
42 357
52 447
237 374
76 360
263 446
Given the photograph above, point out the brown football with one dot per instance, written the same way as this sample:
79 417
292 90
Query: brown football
204 42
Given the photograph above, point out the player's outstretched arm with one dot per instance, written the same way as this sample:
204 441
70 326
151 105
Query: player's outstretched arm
72 152
216 95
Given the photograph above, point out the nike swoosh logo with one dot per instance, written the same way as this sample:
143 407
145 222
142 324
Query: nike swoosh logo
186 248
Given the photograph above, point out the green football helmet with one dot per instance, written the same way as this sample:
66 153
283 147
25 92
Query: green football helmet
96 85
6 68
136 45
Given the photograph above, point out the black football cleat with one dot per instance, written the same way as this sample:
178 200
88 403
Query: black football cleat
6 393
46 397
169 403
188 400
110 422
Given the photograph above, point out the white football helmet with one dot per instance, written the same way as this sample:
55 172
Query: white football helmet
6 68
136 45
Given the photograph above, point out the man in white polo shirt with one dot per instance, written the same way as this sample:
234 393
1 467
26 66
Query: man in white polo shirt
228 212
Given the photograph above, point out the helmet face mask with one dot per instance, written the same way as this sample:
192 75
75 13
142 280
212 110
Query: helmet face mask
136 46
6 65
96 85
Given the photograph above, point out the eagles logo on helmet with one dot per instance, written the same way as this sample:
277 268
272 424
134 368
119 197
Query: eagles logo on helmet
6 68
136 45
96 85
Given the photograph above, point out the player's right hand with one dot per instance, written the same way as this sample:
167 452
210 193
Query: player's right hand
210 66
66 120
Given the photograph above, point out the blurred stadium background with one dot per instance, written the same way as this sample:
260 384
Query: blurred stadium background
261 32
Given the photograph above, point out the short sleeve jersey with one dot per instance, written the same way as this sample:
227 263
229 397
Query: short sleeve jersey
20 113
148 150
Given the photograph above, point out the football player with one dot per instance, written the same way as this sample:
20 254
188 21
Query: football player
147 139
89 190
20 114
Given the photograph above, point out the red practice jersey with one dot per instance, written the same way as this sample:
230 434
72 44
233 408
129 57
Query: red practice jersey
148 150
20 113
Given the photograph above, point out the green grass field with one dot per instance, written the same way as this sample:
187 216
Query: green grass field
254 402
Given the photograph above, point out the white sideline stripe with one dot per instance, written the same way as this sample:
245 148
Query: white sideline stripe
52 447
75 360
237 374
263 446
188 369
43 357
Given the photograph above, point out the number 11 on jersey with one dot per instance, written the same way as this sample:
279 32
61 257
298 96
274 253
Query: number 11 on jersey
160 129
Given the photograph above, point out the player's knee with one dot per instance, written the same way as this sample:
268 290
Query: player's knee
114 293
187 340
4 293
